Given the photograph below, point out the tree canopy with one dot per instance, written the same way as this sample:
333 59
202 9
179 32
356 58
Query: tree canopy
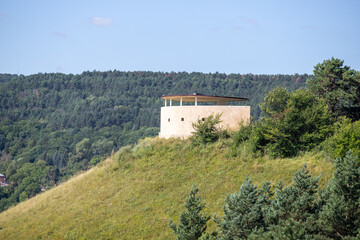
339 85
291 122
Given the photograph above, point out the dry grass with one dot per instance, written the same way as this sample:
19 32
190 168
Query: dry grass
133 195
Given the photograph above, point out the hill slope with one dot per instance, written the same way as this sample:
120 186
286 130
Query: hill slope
133 194
67 123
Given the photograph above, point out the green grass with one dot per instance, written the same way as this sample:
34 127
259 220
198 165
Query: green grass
133 194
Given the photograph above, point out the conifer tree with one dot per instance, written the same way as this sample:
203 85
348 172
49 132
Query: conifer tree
284 230
243 211
192 223
296 202
338 85
340 215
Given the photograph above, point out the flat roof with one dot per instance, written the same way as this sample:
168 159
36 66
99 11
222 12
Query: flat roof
202 98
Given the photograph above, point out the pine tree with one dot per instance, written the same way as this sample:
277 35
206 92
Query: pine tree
192 223
284 230
243 211
295 202
340 215
338 85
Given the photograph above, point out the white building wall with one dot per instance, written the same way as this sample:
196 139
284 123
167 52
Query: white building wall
176 121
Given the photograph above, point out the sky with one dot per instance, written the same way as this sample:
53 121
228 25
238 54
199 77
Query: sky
259 37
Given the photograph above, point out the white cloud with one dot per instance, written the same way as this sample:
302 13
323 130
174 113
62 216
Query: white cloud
99 21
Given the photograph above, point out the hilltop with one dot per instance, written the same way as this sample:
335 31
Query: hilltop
53 125
132 194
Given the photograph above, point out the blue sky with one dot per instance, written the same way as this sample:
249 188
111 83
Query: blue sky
259 37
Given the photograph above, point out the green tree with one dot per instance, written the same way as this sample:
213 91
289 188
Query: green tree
275 102
243 211
83 146
340 215
206 130
292 122
285 230
296 201
192 223
32 189
23 196
338 85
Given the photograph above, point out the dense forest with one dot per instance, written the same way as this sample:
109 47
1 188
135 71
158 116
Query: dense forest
53 125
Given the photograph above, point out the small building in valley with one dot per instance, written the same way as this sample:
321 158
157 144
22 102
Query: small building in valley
181 111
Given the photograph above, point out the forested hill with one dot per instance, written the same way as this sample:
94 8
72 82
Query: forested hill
53 125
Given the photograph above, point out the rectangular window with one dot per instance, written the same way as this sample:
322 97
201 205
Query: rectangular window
203 119
182 119
168 119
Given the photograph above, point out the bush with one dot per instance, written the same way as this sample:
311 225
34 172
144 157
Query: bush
207 130
245 141
244 133
346 137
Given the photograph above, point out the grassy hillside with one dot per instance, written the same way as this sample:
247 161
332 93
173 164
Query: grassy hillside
133 194
67 123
